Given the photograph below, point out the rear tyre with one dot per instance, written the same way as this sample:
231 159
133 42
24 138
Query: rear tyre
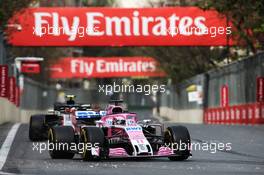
60 140
37 129
93 137
178 138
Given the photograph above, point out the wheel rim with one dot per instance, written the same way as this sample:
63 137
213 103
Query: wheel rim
51 139
85 140
168 137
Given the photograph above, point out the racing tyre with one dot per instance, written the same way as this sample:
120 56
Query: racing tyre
37 129
60 140
178 138
94 141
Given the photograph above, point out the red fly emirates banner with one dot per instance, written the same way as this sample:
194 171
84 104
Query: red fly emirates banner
4 81
172 26
101 67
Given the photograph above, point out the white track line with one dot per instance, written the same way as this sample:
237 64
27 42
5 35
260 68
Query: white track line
4 173
7 144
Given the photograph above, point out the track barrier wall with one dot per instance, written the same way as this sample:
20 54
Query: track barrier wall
231 94
237 114
11 113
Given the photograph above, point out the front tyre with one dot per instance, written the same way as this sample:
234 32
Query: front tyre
94 143
178 138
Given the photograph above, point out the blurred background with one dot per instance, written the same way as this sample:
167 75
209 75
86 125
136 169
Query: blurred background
198 80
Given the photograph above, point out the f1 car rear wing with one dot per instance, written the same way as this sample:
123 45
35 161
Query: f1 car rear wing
89 114
62 106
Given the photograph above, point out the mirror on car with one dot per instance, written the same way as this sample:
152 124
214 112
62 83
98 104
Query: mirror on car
147 120
51 111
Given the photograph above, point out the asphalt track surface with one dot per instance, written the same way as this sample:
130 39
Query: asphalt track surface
246 156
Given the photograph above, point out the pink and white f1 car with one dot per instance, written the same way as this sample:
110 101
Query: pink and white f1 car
119 134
